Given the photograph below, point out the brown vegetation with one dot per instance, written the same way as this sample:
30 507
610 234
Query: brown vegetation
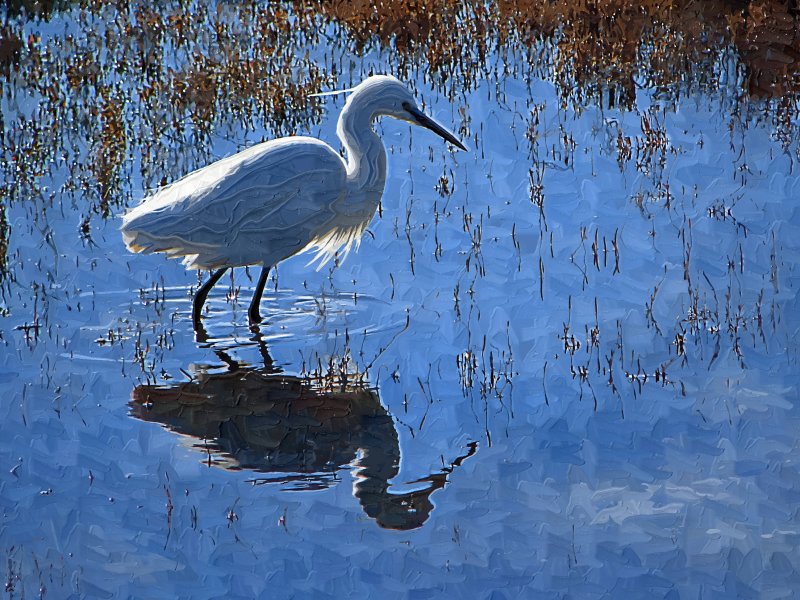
592 48
130 93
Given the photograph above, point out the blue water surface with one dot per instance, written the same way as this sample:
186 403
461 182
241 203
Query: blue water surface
552 369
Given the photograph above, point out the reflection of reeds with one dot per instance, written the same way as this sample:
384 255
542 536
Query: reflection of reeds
601 47
111 151
769 44
10 46
3 236
156 77
39 8
150 88
150 79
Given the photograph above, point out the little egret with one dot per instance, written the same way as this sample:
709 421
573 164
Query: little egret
278 198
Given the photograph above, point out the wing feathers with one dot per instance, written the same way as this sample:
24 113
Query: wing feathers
257 207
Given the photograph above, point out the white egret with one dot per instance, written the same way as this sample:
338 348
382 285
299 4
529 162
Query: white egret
278 198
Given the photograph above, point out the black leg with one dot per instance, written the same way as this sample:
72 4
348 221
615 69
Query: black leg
269 367
202 294
253 313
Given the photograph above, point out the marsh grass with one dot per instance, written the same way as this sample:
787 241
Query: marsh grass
598 302
126 82
98 95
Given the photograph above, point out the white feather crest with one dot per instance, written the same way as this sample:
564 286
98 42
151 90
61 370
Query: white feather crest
331 93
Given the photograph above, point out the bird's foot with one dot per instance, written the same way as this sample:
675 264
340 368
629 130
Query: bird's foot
200 332
196 312
254 316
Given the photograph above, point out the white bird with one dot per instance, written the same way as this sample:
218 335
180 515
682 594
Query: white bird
278 198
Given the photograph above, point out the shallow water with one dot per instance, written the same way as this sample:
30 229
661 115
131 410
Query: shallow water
562 364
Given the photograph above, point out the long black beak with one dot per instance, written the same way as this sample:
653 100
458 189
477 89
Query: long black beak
422 119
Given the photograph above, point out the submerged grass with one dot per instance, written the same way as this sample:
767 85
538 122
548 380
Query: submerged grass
103 98
3 238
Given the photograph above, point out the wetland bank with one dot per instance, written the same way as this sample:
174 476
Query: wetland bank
563 364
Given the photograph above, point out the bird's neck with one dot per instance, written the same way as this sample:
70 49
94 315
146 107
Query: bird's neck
366 157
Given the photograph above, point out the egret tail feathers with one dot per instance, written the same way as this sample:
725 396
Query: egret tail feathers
335 244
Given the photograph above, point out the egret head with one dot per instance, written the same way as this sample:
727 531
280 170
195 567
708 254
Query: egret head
384 95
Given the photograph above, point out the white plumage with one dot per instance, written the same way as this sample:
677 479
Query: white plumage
278 198
247 209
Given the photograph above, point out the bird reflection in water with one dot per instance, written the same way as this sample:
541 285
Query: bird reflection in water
294 433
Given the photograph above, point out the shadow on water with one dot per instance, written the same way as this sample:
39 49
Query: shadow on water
292 432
